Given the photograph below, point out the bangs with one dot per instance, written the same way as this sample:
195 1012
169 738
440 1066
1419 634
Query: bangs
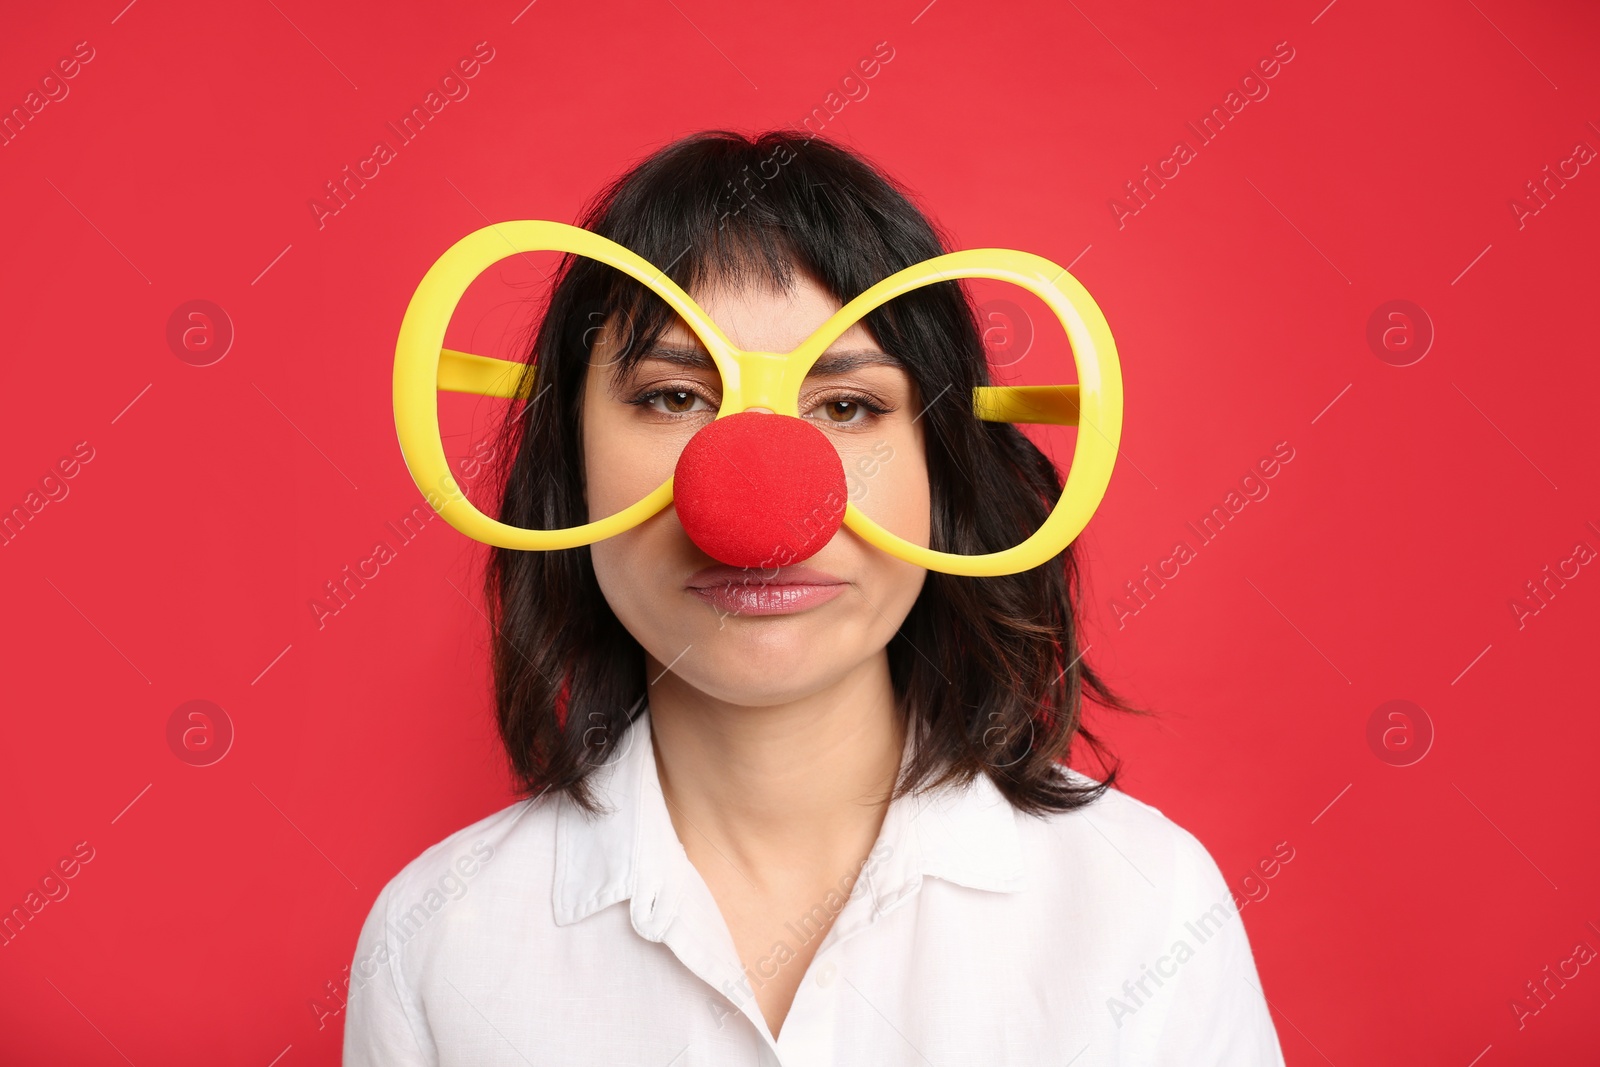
723 210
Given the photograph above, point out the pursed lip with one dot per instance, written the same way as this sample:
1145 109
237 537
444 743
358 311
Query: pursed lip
721 576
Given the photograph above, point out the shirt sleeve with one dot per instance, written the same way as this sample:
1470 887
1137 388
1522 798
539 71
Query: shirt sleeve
1217 1015
383 1017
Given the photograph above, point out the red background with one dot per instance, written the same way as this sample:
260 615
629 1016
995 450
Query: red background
1381 166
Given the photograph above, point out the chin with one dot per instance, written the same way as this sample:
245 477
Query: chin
757 678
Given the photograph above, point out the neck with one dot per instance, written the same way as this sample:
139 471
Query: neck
800 783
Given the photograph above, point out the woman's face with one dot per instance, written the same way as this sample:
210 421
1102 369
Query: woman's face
733 636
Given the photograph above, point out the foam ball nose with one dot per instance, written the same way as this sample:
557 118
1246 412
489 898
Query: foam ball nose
759 490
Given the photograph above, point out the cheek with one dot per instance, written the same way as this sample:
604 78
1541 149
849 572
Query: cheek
611 483
620 465
908 503
888 482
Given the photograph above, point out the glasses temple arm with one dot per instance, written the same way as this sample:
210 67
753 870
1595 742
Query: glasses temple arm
463 372
1055 405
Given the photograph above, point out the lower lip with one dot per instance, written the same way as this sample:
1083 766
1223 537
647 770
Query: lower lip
756 598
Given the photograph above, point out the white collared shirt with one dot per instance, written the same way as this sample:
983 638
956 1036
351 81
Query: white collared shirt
974 935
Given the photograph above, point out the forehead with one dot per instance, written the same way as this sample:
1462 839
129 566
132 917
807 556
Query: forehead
759 316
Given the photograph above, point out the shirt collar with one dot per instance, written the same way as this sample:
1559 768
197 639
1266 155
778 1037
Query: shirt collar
963 834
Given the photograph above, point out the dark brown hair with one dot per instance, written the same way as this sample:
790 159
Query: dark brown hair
987 670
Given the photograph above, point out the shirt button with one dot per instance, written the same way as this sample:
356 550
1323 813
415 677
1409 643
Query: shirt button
826 974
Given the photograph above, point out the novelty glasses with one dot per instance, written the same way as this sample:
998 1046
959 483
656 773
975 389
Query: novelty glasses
759 488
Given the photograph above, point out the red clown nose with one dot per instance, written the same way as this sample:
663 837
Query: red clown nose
759 490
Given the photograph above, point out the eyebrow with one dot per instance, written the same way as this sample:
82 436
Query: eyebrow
834 361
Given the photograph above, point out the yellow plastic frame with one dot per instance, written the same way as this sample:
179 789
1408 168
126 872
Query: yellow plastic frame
423 367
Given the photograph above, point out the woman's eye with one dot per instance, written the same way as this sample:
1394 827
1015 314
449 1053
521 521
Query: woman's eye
842 411
848 411
674 401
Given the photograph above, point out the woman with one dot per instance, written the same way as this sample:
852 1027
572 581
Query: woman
805 814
